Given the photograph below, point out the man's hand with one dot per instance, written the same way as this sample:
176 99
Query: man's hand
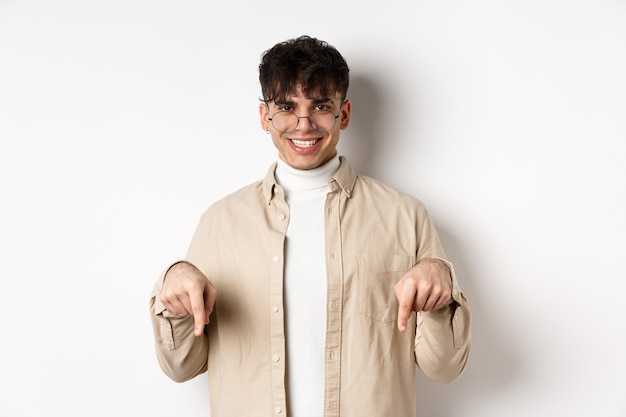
187 291
427 286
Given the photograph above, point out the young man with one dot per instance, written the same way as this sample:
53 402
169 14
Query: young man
298 292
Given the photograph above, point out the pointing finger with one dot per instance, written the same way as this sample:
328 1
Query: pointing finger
406 296
198 310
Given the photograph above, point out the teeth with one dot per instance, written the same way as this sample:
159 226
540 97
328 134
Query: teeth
304 143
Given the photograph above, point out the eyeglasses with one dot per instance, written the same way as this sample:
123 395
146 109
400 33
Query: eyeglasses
287 121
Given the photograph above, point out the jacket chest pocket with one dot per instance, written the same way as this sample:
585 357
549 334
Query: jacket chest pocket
378 273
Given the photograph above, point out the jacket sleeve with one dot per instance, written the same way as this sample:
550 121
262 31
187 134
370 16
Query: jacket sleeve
443 337
180 353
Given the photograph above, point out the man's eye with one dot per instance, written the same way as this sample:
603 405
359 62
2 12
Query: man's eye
321 107
285 108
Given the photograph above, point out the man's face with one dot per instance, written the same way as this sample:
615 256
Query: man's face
308 146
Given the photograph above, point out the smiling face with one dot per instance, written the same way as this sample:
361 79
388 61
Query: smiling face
307 146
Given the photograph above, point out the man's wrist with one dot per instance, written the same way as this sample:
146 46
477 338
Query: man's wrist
176 265
442 265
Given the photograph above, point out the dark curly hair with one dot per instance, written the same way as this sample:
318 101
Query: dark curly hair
313 64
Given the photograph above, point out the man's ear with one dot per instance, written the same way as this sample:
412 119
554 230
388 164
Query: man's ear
264 115
345 114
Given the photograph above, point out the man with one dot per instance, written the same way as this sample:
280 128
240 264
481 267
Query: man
298 292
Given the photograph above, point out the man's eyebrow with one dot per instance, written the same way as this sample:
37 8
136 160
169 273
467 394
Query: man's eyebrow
284 102
320 100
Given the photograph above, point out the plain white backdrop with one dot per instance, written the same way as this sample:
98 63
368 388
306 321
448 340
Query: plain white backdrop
121 121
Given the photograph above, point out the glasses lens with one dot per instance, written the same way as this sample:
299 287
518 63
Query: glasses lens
286 121
322 120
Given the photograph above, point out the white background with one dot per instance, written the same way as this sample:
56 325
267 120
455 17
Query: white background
121 121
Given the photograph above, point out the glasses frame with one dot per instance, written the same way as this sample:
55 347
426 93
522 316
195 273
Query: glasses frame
336 116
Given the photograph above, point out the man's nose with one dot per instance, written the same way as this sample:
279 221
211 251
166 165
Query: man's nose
308 122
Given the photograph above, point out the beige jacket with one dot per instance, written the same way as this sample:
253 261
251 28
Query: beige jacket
374 234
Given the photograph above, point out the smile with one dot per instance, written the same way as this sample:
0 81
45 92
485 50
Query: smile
304 143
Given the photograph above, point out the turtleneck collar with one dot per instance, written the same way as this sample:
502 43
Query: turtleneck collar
298 180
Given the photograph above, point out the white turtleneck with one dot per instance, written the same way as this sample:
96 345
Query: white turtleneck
305 285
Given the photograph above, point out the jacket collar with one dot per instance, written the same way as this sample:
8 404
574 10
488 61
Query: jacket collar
344 178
